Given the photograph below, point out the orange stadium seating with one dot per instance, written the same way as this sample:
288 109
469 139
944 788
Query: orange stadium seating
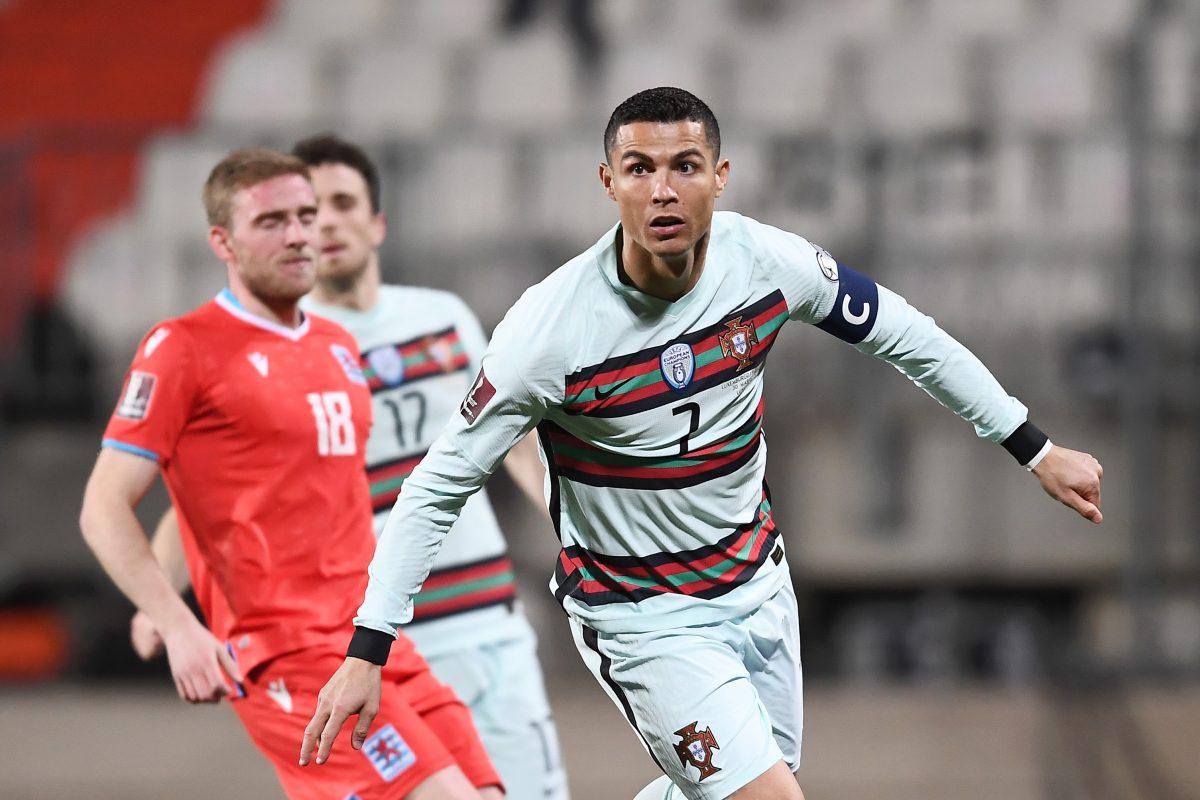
81 87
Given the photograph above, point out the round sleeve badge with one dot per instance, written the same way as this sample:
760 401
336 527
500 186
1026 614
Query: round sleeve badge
829 267
678 365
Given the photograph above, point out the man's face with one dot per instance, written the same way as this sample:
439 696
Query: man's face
269 240
666 179
348 232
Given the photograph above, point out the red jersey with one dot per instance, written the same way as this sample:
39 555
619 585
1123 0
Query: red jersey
260 431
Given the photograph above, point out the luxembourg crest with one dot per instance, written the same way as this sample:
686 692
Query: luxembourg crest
678 365
349 363
387 363
738 340
696 748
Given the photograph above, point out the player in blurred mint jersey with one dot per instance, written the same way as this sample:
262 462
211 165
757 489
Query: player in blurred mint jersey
640 364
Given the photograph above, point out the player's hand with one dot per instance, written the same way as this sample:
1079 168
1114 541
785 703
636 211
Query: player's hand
145 638
353 689
1073 479
200 664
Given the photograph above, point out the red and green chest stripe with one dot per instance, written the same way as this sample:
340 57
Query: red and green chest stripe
632 383
577 460
465 587
387 478
426 356
596 579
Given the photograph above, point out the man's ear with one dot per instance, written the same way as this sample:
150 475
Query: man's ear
722 173
218 240
606 180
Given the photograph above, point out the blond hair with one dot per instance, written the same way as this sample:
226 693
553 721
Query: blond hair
242 168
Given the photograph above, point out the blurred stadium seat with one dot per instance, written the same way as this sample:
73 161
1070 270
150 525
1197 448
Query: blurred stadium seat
394 92
524 84
262 83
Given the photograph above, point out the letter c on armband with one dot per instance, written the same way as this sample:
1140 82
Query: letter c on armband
855 290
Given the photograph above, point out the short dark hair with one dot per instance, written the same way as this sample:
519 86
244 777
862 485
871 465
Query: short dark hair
240 169
329 149
663 104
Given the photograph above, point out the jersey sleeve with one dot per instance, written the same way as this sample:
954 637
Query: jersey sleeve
855 309
157 397
519 379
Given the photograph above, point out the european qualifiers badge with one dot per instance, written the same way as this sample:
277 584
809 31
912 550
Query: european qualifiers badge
738 341
696 748
387 364
678 364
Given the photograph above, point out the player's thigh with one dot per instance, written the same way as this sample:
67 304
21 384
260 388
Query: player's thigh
400 752
689 697
502 685
451 722
773 660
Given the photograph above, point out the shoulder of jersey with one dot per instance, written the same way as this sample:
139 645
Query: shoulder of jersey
323 326
421 297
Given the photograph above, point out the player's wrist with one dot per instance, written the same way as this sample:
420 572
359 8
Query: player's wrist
1028 445
370 645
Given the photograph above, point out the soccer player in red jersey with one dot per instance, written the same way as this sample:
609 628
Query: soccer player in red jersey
258 415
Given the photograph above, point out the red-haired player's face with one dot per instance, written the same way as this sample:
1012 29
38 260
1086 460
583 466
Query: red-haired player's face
348 231
666 180
271 234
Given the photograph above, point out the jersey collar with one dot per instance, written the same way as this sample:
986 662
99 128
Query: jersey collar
606 256
227 301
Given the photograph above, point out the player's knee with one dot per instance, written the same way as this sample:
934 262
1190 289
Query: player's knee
447 784
777 783
659 789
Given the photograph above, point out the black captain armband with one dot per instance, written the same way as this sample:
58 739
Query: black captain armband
370 645
1028 445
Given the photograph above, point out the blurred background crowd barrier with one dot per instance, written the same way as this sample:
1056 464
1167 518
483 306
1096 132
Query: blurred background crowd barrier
1026 171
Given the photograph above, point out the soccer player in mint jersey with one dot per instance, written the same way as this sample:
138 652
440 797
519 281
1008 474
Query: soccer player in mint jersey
420 350
640 363
257 415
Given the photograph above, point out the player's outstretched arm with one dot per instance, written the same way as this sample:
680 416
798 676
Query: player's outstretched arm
353 689
168 552
118 483
1073 479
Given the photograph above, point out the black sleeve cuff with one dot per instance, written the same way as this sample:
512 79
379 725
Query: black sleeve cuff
370 645
1025 443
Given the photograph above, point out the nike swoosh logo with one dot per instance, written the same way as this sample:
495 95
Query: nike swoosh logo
603 395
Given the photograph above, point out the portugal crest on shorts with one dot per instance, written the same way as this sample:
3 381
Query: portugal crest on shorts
696 748
738 340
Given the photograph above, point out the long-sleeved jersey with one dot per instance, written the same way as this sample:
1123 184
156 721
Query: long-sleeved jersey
649 414
419 350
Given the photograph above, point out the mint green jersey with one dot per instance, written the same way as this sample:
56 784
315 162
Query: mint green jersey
419 350
649 415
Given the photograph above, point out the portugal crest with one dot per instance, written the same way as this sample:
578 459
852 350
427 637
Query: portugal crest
696 749
441 352
738 340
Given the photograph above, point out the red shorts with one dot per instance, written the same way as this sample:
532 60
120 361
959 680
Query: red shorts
421 728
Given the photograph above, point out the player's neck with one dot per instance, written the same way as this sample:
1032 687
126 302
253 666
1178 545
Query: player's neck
666 279
357 293
281 312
